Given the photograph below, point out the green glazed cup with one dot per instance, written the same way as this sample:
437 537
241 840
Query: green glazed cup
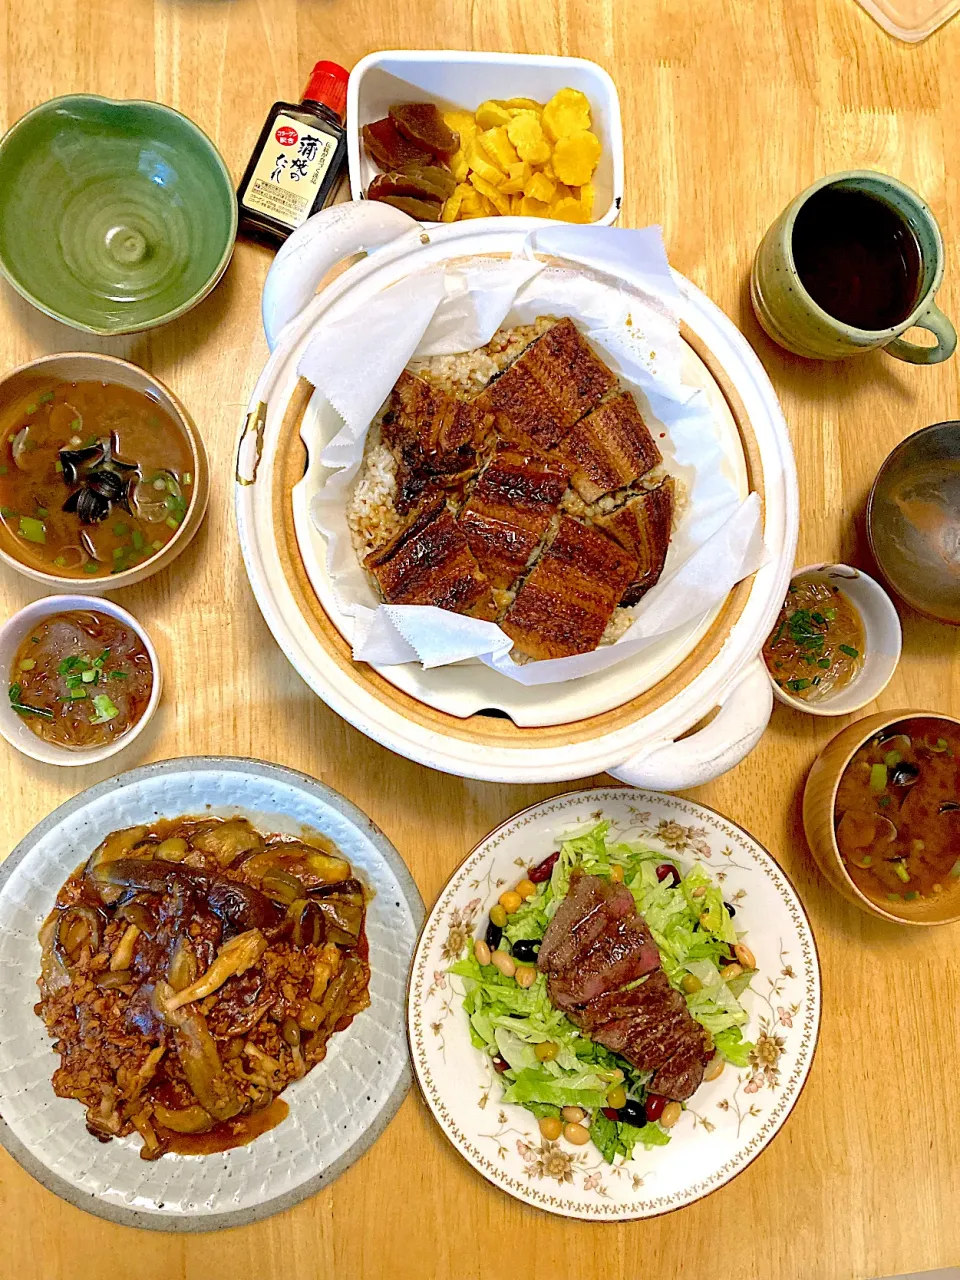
791 317
114 216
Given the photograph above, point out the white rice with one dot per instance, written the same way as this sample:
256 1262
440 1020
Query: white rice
371 515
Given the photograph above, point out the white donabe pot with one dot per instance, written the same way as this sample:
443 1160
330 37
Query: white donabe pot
640 744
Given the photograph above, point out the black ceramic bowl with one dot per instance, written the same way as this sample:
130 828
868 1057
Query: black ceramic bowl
913 520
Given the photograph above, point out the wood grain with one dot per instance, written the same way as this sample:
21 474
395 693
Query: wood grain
729 110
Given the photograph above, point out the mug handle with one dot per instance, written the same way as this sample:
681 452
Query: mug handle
937 323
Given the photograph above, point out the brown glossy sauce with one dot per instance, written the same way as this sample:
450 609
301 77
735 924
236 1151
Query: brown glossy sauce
229 1133
58 439
80 679
897 811
817 646
857 258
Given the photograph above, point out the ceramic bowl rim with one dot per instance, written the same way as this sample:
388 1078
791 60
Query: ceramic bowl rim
32 613
875 908
196 508
110 331
823 708
899 448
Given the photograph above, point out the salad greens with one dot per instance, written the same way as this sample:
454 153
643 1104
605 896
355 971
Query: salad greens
694 933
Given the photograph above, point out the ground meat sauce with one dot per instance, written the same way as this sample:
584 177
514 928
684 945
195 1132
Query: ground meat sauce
191 970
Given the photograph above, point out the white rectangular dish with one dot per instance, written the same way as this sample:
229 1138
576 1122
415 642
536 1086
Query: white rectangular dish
465 80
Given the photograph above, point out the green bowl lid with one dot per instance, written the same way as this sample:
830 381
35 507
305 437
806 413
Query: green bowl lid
114 216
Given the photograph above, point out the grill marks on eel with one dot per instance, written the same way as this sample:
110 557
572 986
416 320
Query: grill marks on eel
504 461
603 971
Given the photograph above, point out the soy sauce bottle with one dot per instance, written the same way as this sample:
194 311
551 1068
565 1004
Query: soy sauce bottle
297 163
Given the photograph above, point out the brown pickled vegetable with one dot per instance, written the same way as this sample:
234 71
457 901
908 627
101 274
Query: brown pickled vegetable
182 999
423 124
422 210
388 148
426 184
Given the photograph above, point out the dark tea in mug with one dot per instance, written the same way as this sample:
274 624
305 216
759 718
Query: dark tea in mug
858 258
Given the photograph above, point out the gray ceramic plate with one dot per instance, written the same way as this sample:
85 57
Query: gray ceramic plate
336 1112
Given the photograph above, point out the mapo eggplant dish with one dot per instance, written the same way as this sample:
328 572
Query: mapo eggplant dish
191 970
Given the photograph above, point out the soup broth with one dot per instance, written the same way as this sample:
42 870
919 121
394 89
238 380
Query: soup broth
95 477
816 648
897 813
81 679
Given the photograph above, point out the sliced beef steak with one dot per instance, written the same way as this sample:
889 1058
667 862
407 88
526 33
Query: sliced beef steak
603 970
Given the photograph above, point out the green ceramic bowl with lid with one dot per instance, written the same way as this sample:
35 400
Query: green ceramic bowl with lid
114 216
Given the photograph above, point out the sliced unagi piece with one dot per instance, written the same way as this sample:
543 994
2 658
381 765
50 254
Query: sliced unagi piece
510 509
548 388
430 562
609 448
642 527
568 599
435 419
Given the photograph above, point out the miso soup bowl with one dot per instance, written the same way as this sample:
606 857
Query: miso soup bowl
89 366
819 802
13 727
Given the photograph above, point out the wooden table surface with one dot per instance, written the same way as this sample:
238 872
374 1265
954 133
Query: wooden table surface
729 109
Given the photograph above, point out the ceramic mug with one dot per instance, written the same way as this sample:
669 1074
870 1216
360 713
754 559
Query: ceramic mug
791 317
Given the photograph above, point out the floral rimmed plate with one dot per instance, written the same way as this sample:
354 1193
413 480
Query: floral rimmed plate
336 1111
726 1124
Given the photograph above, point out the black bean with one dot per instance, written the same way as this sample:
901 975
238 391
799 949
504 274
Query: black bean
525 949
633 1112
493 935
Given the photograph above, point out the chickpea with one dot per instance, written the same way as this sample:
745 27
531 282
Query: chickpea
691 983
731 971
546 1051
617 1097
481 951
551 1128
745 955
526 975
510 901
573 1115
671 1114
616 873
504 962
498 916
714 1068
576 1133
526 889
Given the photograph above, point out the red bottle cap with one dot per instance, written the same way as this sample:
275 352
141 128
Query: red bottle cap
328 84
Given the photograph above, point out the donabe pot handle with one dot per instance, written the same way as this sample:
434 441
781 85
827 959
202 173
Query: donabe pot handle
732 734
321 244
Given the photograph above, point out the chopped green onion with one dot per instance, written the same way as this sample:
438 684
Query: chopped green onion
117 675
76 424
31 408
3 470
69 664
60 562
173 522
955 870
795 686
22 709
137 540
27 664
8 513
119 553
101 659
893 897
58 466
187 478
818 618
867 861
823 662
878 777
900 868
45 398
119 529
42 512
106 711
883 801
892 759
33 530
15 691
91 567
911 895
850 652
89 676
157 546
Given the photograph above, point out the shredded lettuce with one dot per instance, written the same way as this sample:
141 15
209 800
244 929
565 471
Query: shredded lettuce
693 932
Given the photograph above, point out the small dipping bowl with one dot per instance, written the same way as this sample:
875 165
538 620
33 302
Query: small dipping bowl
883 640
819 803
913 521
114 216
88 366
12 726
